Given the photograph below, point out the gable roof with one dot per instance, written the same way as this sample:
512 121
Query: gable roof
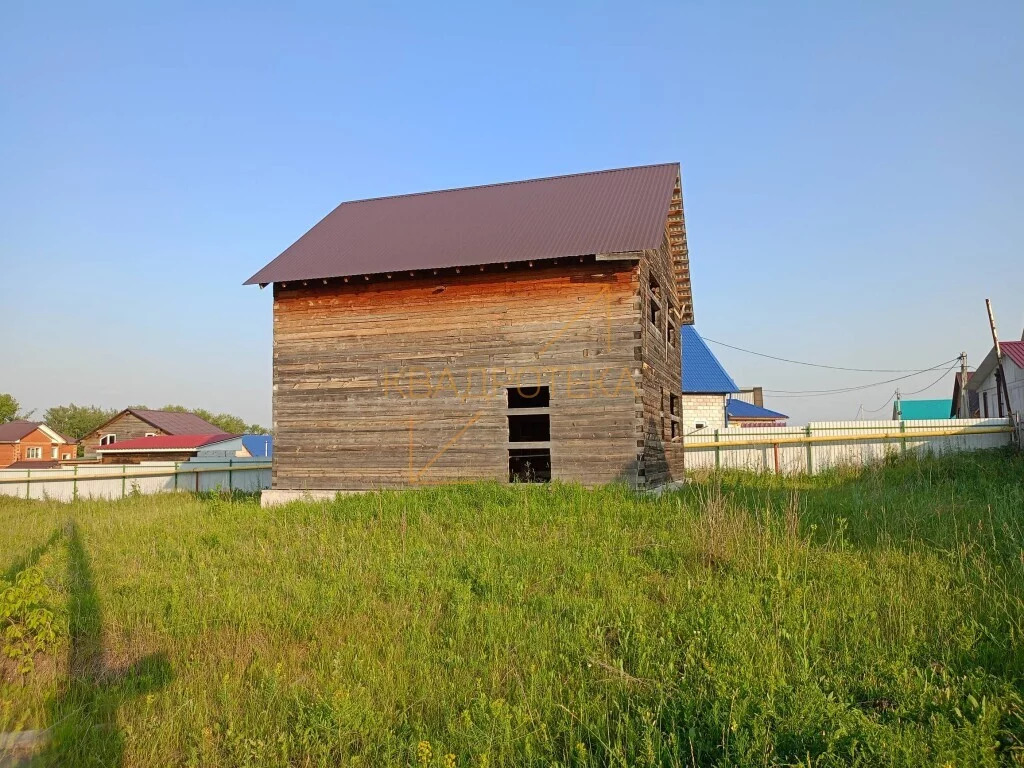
166 443
701 370
13 431
19 429
613 211
1012 351
171 422
259 446
910 410
176 423
741 409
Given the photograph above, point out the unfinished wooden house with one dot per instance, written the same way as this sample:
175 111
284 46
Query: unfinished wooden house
514 332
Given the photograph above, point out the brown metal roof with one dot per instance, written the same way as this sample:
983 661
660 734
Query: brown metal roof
175 423
13 431
601 212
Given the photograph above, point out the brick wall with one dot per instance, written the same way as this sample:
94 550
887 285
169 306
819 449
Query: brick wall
706 409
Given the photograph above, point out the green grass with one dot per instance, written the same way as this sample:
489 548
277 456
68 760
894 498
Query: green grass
865 619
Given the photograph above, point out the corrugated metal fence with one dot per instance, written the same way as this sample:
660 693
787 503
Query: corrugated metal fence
827 444
114 481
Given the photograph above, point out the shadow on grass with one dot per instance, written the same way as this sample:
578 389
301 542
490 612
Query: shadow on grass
30 558
83 714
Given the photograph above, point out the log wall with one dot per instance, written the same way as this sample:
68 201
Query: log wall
401 382
661 353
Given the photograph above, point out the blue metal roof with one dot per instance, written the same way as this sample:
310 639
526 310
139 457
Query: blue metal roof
260 446
740 409
701 370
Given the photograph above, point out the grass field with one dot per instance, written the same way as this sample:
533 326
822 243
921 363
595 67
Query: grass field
865 619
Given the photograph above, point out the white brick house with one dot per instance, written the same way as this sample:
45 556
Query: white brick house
706 385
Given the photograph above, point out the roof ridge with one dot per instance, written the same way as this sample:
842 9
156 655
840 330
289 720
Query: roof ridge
502 184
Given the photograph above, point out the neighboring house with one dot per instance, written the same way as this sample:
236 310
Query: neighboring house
992 402
133 423
915 410
706 385
958 408
518 331
744 414
27 442
168 448
233 448
259 446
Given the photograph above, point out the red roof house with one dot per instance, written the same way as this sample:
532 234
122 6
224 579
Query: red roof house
132 423
991 392
160 448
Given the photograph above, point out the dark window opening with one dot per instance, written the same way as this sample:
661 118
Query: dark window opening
529 429
529 465
655 314
984 401
670 334
675 429
655 288
999 394
529 397
673 405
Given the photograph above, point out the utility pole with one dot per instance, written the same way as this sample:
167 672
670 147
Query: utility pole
1000 377
965 402
899 408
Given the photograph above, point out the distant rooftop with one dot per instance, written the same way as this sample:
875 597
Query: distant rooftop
924 409
165 443
702 373
741 409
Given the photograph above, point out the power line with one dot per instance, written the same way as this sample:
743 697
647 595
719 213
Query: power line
815 365
841 390
876 410
918 391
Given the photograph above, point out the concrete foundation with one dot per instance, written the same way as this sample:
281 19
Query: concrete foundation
273 497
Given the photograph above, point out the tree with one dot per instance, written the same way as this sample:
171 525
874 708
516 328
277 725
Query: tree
9 408
77 420
225 421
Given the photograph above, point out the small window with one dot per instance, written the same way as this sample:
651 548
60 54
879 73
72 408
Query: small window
984 403
529 429
34 453
655 288
675 429
53 452
66 456
529 465
655 314
673 405
671 336
700 425
108 439
151 434
654 303
529 397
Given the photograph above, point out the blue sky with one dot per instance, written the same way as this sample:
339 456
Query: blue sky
853 172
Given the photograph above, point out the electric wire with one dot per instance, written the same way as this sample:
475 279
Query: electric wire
918 391
855 388
883 405
816 365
